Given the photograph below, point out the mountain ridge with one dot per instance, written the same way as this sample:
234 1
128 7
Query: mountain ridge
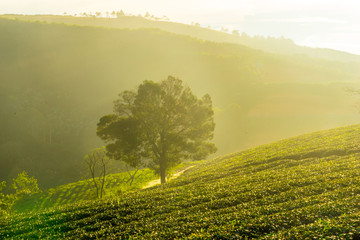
268 44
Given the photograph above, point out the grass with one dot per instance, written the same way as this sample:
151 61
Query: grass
305 187
116 184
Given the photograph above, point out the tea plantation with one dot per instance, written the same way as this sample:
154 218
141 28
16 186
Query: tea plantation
306 187
115 184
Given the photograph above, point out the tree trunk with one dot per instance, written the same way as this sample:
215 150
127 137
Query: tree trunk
162 174
133 176
103 178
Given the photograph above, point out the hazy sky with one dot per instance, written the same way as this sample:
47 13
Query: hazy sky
321 23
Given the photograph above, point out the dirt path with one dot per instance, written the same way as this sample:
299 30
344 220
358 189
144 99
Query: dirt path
157 181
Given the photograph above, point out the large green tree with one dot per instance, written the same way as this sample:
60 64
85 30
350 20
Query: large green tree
160 124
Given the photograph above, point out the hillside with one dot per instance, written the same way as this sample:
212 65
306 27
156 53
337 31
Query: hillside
57 80
299 188
268 44
84 190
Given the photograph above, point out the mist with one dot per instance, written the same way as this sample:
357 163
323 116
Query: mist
106 105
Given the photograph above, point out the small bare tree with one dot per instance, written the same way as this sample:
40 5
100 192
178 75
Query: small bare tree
96 162
131 176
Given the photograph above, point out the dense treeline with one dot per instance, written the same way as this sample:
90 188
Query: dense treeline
57 80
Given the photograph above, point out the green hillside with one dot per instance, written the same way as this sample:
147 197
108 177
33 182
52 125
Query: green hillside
268 44
57 80
305 187
83 190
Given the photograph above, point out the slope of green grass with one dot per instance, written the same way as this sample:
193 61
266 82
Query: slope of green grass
305 187
84 190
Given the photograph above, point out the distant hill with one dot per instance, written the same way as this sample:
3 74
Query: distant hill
57 80
268 44
305 187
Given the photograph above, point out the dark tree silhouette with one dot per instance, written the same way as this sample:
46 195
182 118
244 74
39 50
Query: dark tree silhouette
161 124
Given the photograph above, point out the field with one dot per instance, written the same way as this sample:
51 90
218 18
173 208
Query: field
305 187
83 190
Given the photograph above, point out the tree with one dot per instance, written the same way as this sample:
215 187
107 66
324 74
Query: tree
235 33
160 124
96 162
120 14
223 29
23 184
6 201
3 200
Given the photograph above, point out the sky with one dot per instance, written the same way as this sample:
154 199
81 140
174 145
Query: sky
317 23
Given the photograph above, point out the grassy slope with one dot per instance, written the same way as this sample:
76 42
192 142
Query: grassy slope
303 187
282 46
82 191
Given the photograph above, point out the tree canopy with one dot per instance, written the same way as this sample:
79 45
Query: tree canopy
160 124
23 184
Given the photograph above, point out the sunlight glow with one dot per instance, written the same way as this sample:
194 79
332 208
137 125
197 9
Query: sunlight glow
302 21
